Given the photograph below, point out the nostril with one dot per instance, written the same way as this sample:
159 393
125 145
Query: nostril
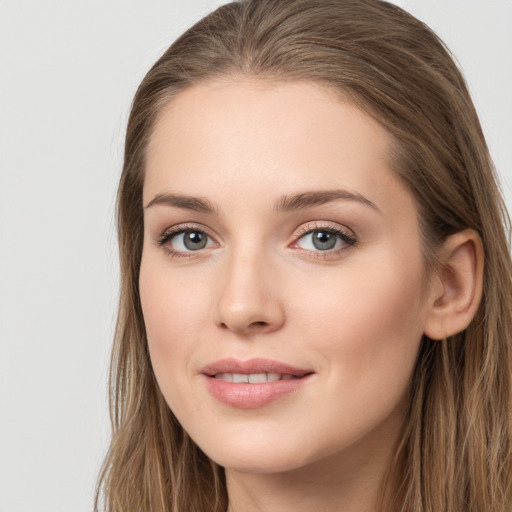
259 324
252 326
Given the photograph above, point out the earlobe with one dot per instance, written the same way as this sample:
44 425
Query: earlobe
457 287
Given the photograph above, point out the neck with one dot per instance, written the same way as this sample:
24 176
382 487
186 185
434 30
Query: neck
350 480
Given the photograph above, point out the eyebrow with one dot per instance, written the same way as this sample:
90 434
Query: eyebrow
196 204
285 203
317 198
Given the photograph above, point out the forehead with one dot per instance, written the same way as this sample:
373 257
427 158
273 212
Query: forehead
255 135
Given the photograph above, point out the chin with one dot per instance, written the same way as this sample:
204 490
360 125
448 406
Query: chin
261 463
260 456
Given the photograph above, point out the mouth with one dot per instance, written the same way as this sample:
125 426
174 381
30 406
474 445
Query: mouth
256 370
254 383
254 378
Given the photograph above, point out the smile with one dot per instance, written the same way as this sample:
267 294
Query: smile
252 384
254 378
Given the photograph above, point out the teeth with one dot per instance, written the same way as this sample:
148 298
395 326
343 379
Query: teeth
257 378
253 378
225 376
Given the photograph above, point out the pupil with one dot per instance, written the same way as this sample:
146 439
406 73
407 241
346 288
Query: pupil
194 240
323 240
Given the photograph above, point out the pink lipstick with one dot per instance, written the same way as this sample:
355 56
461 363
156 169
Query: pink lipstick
253 383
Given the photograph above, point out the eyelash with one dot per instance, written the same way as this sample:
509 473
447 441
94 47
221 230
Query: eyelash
169 234
347 237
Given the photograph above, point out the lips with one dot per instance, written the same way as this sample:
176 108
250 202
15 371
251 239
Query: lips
253 383
252 366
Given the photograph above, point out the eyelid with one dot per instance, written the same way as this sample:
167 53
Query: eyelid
163 240
171 231
326 225
347 235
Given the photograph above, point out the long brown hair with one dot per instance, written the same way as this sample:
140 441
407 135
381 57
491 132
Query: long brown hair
455 451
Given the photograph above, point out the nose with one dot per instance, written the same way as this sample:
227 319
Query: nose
250 301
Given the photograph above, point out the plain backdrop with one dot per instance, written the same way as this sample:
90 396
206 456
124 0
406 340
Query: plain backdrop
68 71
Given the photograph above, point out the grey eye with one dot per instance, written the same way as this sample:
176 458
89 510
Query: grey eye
321 240
194 240
190 241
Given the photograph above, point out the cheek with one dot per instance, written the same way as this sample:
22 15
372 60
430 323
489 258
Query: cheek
368 323
173 314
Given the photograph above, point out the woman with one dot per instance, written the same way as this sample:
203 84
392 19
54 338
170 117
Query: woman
316 284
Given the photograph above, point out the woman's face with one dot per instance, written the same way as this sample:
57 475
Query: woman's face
281 251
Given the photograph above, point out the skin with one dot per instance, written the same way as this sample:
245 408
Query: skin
353 315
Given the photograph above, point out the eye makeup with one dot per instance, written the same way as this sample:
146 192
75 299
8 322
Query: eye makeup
317 240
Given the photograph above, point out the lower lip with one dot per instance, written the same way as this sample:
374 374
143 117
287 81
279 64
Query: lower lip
252 396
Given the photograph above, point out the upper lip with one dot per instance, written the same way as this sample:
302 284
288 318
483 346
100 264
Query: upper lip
251 366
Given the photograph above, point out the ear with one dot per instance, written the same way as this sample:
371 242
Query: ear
457 286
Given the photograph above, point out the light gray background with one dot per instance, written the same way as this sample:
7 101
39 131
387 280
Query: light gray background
68 71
